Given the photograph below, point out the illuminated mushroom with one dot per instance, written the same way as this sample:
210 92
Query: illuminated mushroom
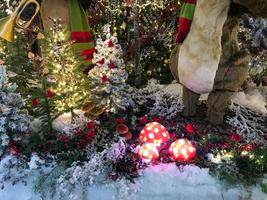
182 150
148 152
154 133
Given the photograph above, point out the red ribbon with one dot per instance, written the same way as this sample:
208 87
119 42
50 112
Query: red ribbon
88 53
82 37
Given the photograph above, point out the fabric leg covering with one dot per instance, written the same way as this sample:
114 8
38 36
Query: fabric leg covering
185 19
201 50
81 34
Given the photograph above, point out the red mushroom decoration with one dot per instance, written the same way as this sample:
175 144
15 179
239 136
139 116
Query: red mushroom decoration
182 150
154 133
148 152
123 131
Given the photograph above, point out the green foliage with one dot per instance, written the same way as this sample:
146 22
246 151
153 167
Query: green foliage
46 112
245 167
44 107
46 183
157 26
15 58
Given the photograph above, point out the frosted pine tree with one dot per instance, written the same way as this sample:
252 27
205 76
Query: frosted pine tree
108 78
13 119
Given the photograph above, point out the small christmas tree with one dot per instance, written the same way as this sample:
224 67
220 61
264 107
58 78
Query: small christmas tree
13 119
108 78
69 84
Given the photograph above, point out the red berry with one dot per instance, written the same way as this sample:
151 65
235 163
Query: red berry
50 93
35 103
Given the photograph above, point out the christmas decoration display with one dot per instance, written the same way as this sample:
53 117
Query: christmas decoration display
182 150
211 76
14 119
90 128
253 36
154 133
76 28
148 152
21 18
198 74
148 25
108 78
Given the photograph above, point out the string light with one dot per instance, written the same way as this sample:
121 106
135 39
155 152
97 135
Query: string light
69 83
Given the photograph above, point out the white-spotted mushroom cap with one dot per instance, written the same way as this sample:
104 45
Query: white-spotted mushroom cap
148 152
154 133
182 150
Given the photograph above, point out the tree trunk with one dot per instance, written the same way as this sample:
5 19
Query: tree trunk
138 66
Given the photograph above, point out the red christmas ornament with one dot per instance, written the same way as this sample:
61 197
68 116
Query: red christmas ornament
143 120
112 66
157 119
14 150
50 93
248 147
236 137
110 44
148 152
105 79
91 125
182 150
102 61
90 135
35 103
154 133
190 128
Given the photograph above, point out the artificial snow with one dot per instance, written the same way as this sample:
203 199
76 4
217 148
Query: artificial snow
253 100
160 182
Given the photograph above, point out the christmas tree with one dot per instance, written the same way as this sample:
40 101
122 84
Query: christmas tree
68 83
14 120
145 29
108 78
17 52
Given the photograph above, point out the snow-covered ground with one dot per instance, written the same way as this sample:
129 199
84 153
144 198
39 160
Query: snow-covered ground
253 98
161 182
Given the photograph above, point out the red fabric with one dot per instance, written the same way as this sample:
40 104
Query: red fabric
184 28
82 37
88 53
190 1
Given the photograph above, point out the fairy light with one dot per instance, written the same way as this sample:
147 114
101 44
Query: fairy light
60 58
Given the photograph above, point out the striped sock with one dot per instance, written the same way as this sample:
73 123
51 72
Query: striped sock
185 19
